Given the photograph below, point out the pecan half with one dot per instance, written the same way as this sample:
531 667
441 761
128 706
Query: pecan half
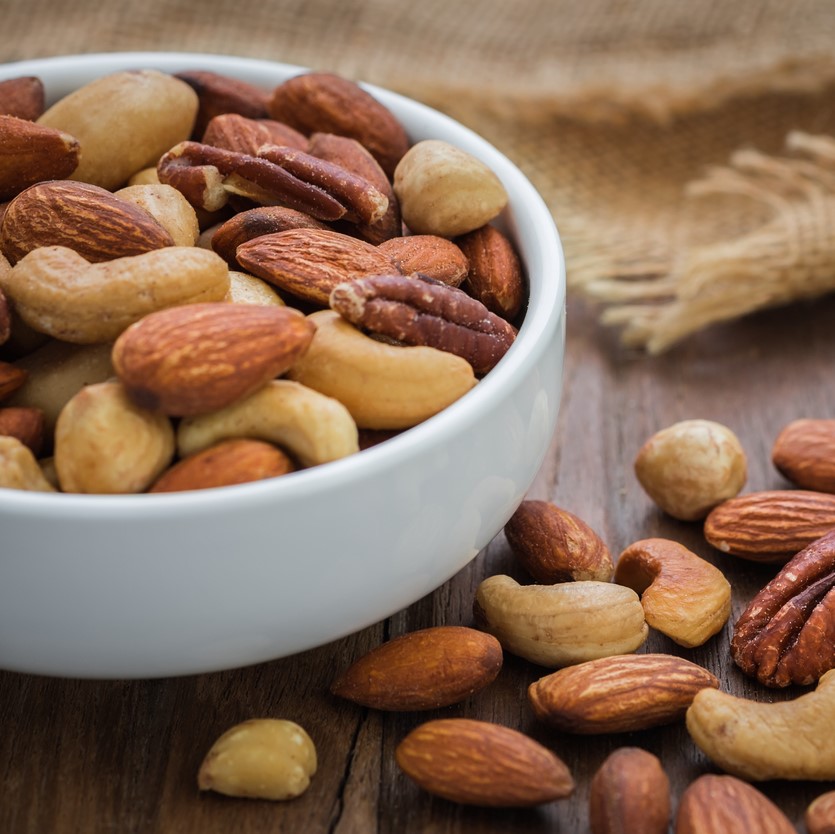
417 310
786 635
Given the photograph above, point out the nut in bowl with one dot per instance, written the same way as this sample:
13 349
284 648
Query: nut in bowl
169 583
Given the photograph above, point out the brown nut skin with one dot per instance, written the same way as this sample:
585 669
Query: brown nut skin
683 595
618 694
690 467
480 763
318 102
199 358
426 669
554 545
629 794
495 275
23 97
26 424
238 133
11 379
726 805
786 635
820 815
230 462
804 453
430 255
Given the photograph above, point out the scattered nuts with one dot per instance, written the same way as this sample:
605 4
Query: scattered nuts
786 633
19 469
479 763
237 461
761 741
820 815
105 444
264 758
804 452
725 805
629 793
618 694
445 191
683 596
198 358
690 467
426 669
554 545
383 386
557 625
770 526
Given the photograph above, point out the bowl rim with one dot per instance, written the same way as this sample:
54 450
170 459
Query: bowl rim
546 305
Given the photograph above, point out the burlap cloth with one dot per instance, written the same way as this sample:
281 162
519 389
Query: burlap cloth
628 116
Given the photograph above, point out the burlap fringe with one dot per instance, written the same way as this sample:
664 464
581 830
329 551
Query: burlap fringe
659 299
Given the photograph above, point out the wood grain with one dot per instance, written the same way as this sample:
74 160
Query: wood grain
123 756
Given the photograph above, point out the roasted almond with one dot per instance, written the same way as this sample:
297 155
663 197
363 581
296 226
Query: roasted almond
820 815
31 153
82 217
727 805
238 133
23 97
770 526
554 545
11 378
426 669
619 694
199 358
804 452
309 263
24 423
480 763
430 255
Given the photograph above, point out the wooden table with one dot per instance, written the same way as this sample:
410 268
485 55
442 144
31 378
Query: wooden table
87 756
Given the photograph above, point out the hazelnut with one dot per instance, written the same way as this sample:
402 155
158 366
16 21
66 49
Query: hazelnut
690 467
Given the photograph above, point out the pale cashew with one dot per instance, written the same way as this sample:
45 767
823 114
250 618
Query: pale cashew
58 292
263 758
559 625
168 207
384 386
56 373
105 444
312 427
124 122
760 741
19 469
684 596
247 289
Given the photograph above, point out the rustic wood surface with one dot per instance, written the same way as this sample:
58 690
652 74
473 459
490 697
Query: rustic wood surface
87 756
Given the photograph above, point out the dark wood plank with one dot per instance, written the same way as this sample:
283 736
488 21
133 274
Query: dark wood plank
123 756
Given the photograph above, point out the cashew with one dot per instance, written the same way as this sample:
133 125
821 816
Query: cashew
105 444
58 292
384 386
684 596
168 207
559 625
760 741
264 758
124 122
247 289
312 427
690 467
57 372
19 469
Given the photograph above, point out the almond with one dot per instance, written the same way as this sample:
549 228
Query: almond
431 668
820 815
309 263
430 255
23 97
11 378
24 423
554 545
804 452
238 133
727 805
618 694
318 102
30 153
480 763
770 526
236 461
85 218
199 358
630 793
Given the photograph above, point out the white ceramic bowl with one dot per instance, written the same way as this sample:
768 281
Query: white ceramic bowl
158 585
